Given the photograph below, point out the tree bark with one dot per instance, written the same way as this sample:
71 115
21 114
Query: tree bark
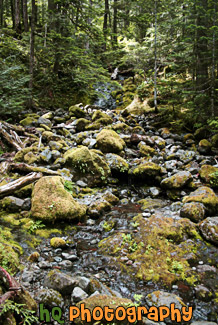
12 13
17 16
202 47
105 24
115 24
1 12
155 58
32 47
25 16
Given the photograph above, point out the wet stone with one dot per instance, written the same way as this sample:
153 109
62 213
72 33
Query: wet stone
78 294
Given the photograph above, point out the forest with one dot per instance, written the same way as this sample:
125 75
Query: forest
108 162
55 53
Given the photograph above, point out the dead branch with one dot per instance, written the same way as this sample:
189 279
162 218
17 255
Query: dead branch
28 168
19 183
11 137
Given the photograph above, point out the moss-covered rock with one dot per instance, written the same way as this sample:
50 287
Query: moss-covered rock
144 170
57 242
28 121
159 251
109 141
102 301
89 165
97 208
146 150
76 111
121 127
177 181
32 151
204 146
49 136
81 124
206 196
209 229
117 164
152 203
209 174
51 201
194 211
201 133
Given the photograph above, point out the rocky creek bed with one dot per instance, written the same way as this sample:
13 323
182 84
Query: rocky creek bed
120 209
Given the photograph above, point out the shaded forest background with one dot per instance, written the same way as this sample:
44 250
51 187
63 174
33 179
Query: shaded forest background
54 54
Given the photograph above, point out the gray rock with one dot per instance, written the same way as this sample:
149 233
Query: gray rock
12 204
45 121
203 293
78 294
209 229
66 264
49 297
44 265
60 281
162 298
46 155
26 204
81 184
27 276
83 283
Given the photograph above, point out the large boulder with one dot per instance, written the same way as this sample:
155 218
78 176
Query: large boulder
109 141
51 201
204 195
209 229
177 181
89 165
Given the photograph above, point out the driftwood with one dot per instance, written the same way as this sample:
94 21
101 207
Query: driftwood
28 168
19 183
4 167
10 136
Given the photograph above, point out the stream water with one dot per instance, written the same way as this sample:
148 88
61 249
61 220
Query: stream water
83 238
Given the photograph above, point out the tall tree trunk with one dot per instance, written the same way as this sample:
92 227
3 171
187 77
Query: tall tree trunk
1 12
213 80
105 24
12 13
25 16
115 24
155 58
32 47
17 16
202 47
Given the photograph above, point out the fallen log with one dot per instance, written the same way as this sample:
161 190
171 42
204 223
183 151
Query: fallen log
28 168
19 183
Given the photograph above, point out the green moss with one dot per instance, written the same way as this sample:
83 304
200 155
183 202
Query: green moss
146 169
50 201
9 252
154 250
109 141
